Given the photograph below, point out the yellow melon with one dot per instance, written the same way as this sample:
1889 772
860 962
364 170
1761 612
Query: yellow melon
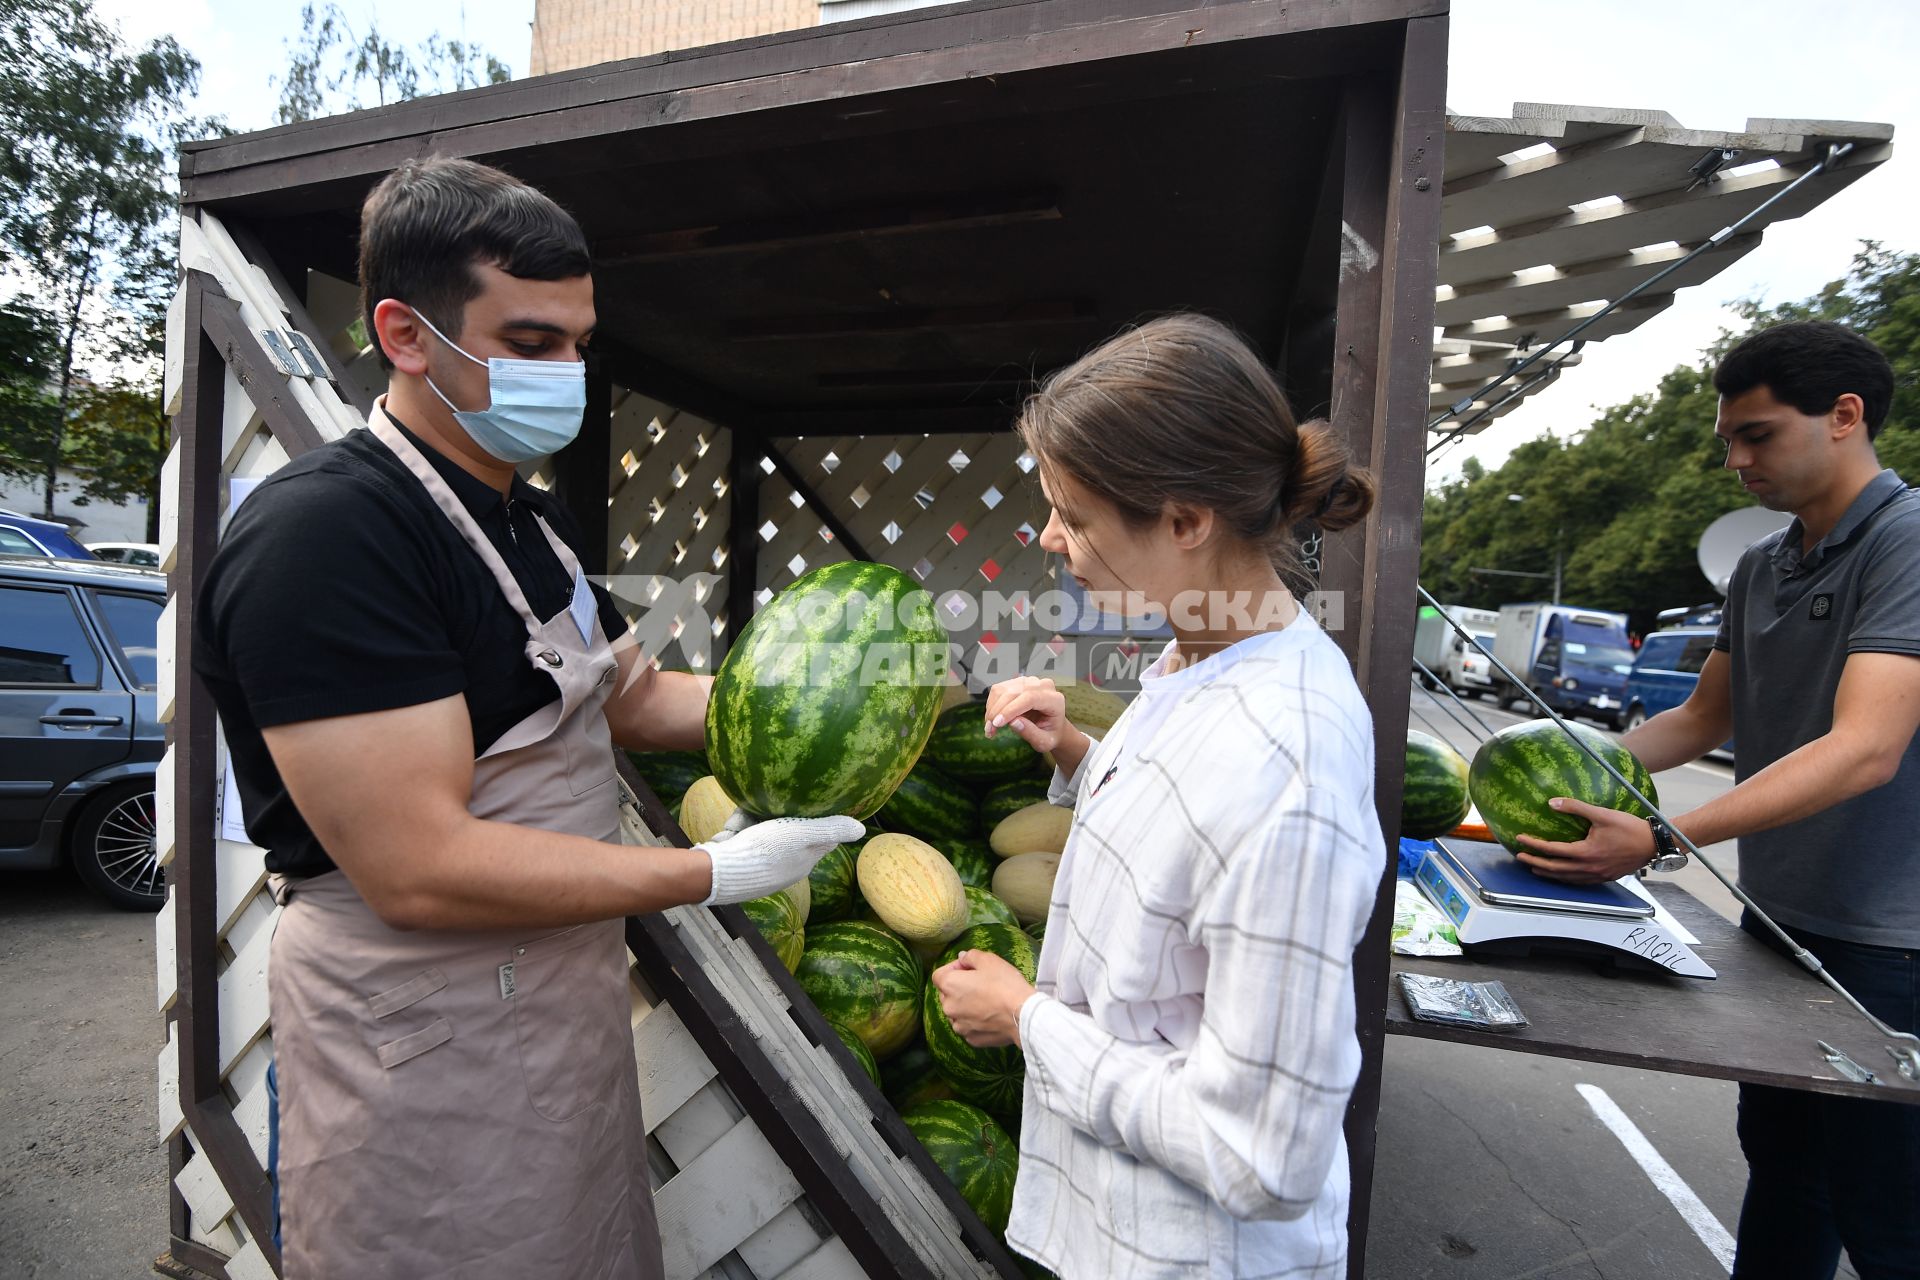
912 888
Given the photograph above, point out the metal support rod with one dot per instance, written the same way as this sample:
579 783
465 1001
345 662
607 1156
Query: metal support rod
1486 730
1545 375
1908 1054
1834 154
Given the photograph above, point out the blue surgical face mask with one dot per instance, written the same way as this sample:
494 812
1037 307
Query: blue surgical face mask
535 409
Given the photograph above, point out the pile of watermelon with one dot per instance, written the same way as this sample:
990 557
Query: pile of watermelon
959 853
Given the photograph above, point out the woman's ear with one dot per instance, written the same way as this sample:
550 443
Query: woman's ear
1190 527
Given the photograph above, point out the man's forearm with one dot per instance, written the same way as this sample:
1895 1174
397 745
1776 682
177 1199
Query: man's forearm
1818 776
1673 738
487 875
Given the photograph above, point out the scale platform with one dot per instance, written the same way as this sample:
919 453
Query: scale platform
1496 902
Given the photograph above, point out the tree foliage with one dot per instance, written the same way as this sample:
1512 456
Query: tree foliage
1626 501
88 128
333 66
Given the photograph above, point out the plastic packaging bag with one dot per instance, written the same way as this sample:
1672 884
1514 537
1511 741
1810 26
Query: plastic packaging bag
1418 927
1482 1005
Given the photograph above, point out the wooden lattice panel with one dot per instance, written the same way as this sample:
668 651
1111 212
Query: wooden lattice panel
667 520
958 513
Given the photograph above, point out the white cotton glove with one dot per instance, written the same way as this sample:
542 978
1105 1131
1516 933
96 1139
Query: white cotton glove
752 859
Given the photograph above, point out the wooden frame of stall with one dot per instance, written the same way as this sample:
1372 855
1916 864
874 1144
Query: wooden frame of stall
1328 264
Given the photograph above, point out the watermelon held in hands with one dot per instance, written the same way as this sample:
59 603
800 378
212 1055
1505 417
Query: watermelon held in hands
990 1078
863 978
929 804
1519 769
977 1155
1435 799
827 698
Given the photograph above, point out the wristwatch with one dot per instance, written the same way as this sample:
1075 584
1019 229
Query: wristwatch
1667 853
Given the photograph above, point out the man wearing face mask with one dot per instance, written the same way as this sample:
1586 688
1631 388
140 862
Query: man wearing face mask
419 692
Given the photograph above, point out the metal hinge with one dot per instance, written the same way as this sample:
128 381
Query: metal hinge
294 354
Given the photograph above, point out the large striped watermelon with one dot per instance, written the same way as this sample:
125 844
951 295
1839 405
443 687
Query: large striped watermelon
990 1078
929 804
1519 769
1435 799
1004 799
960 748
865 979
911 1077
828 696
973 859
836 894
976 1154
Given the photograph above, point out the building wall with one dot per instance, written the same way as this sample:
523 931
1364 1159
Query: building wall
585 33
95 522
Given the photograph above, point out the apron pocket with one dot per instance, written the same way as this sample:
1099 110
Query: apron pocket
571 1017
409 1047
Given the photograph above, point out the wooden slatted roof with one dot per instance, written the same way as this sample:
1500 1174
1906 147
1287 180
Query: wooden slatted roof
1556 210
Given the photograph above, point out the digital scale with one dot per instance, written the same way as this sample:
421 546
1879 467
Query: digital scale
1497 903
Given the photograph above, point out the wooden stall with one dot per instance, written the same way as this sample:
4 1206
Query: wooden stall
828 265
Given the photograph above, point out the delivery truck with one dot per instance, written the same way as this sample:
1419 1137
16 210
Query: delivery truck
1575 660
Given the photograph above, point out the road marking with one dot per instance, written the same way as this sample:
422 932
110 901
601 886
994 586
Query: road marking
1665 1180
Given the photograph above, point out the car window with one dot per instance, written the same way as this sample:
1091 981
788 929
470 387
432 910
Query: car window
115 554
145 559
1694 656
134 624
42 640
1656 653
15 543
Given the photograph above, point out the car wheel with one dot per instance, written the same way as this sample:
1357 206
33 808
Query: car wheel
115 850
1635 718
1472 693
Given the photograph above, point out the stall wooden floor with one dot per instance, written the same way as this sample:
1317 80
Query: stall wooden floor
1757 1022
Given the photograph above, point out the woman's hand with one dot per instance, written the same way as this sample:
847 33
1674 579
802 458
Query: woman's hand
982 994
1032 708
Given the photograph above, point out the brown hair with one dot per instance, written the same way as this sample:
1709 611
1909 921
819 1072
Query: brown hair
1180 410
428 222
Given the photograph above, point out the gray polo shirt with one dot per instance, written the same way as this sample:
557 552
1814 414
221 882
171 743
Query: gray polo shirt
1851 871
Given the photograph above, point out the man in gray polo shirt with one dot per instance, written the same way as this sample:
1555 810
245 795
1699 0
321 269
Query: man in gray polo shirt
1816 674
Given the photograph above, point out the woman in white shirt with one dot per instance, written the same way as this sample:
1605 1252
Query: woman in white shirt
1190 1046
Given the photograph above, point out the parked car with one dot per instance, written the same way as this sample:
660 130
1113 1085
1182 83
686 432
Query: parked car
145 555
30 536
1665 672
79 744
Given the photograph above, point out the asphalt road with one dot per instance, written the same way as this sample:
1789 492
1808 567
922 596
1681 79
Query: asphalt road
83 1177
1496 1166
1493 1166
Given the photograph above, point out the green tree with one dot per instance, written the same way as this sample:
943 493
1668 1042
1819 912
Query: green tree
117 441
331 66
86 201
1626 500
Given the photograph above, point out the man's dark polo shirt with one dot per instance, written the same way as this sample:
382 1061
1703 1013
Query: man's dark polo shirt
1851 871
339 589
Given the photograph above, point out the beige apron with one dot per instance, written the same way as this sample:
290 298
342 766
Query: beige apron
465 1103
